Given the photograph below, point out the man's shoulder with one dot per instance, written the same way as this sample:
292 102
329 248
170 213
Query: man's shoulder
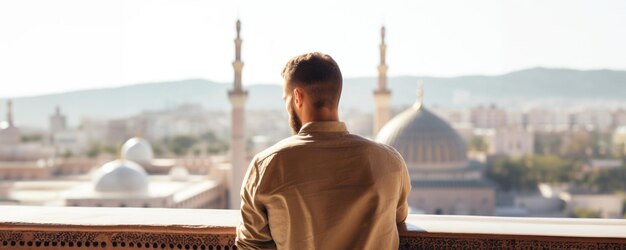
384 148
295 142
283 145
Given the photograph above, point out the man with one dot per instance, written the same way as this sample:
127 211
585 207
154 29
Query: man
322 188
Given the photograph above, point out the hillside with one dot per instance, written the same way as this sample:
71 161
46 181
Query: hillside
563 85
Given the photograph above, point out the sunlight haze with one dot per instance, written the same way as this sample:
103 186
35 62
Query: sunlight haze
57 46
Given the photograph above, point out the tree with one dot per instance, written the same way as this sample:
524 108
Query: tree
605 181
31 138
218 147
180 144
523 174
478 144
547 143
97 149
585 213
214 144
67 154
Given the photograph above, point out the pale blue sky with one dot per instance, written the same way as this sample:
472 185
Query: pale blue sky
55 46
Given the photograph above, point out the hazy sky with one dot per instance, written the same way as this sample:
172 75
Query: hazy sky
54 46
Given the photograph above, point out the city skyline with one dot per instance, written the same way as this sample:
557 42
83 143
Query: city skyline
99 45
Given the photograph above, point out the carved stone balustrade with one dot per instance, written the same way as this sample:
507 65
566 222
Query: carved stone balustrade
23 227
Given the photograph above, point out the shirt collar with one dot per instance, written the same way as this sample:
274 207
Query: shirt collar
327 126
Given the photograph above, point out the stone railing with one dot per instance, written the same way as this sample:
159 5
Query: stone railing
153 228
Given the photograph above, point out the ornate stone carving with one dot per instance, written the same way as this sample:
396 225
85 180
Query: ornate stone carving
114 240
73 238
509 242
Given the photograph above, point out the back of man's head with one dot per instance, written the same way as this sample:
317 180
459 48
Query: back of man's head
319 75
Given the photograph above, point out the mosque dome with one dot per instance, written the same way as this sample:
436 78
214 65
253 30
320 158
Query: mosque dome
138 150
179 173
424 140
121 176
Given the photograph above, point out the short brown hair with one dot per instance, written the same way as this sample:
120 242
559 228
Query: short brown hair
319 75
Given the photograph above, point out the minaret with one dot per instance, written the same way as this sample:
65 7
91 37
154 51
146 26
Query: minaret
12 135
58 121
381 94
237 98
10 113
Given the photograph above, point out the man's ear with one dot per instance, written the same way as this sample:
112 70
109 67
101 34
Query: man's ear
298 96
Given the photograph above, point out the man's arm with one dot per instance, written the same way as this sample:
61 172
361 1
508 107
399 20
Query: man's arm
405 188
253 231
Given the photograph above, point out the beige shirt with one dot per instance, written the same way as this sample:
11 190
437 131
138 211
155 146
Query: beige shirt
324 188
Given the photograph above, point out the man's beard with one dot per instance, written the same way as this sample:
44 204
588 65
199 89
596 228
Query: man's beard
294 120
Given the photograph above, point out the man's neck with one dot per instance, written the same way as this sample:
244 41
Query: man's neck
323 115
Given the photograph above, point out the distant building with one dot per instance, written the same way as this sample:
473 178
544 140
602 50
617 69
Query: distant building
454 116
117 131
563 200
619 139
595 165
619 118
594 119
606 205
511 141
536 205
58 121
118 183
488 117
69 141
544 120
11 146
123 183
66 141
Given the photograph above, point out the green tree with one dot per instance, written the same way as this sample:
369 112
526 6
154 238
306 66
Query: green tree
585 213
180 144
477 143
67 154
97 149
31 138
94 151
547 143
605 181
523 174
217 147
509 174
209 137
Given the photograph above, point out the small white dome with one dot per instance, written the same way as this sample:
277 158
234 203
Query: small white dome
121 176
138 150
179 173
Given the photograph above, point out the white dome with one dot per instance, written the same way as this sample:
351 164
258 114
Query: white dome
121 176
179 173
138 150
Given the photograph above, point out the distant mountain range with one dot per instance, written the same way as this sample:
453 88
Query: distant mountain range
562 86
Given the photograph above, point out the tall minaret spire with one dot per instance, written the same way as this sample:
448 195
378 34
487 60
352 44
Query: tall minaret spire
382 68
238 154
382 93
10 112
238 64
